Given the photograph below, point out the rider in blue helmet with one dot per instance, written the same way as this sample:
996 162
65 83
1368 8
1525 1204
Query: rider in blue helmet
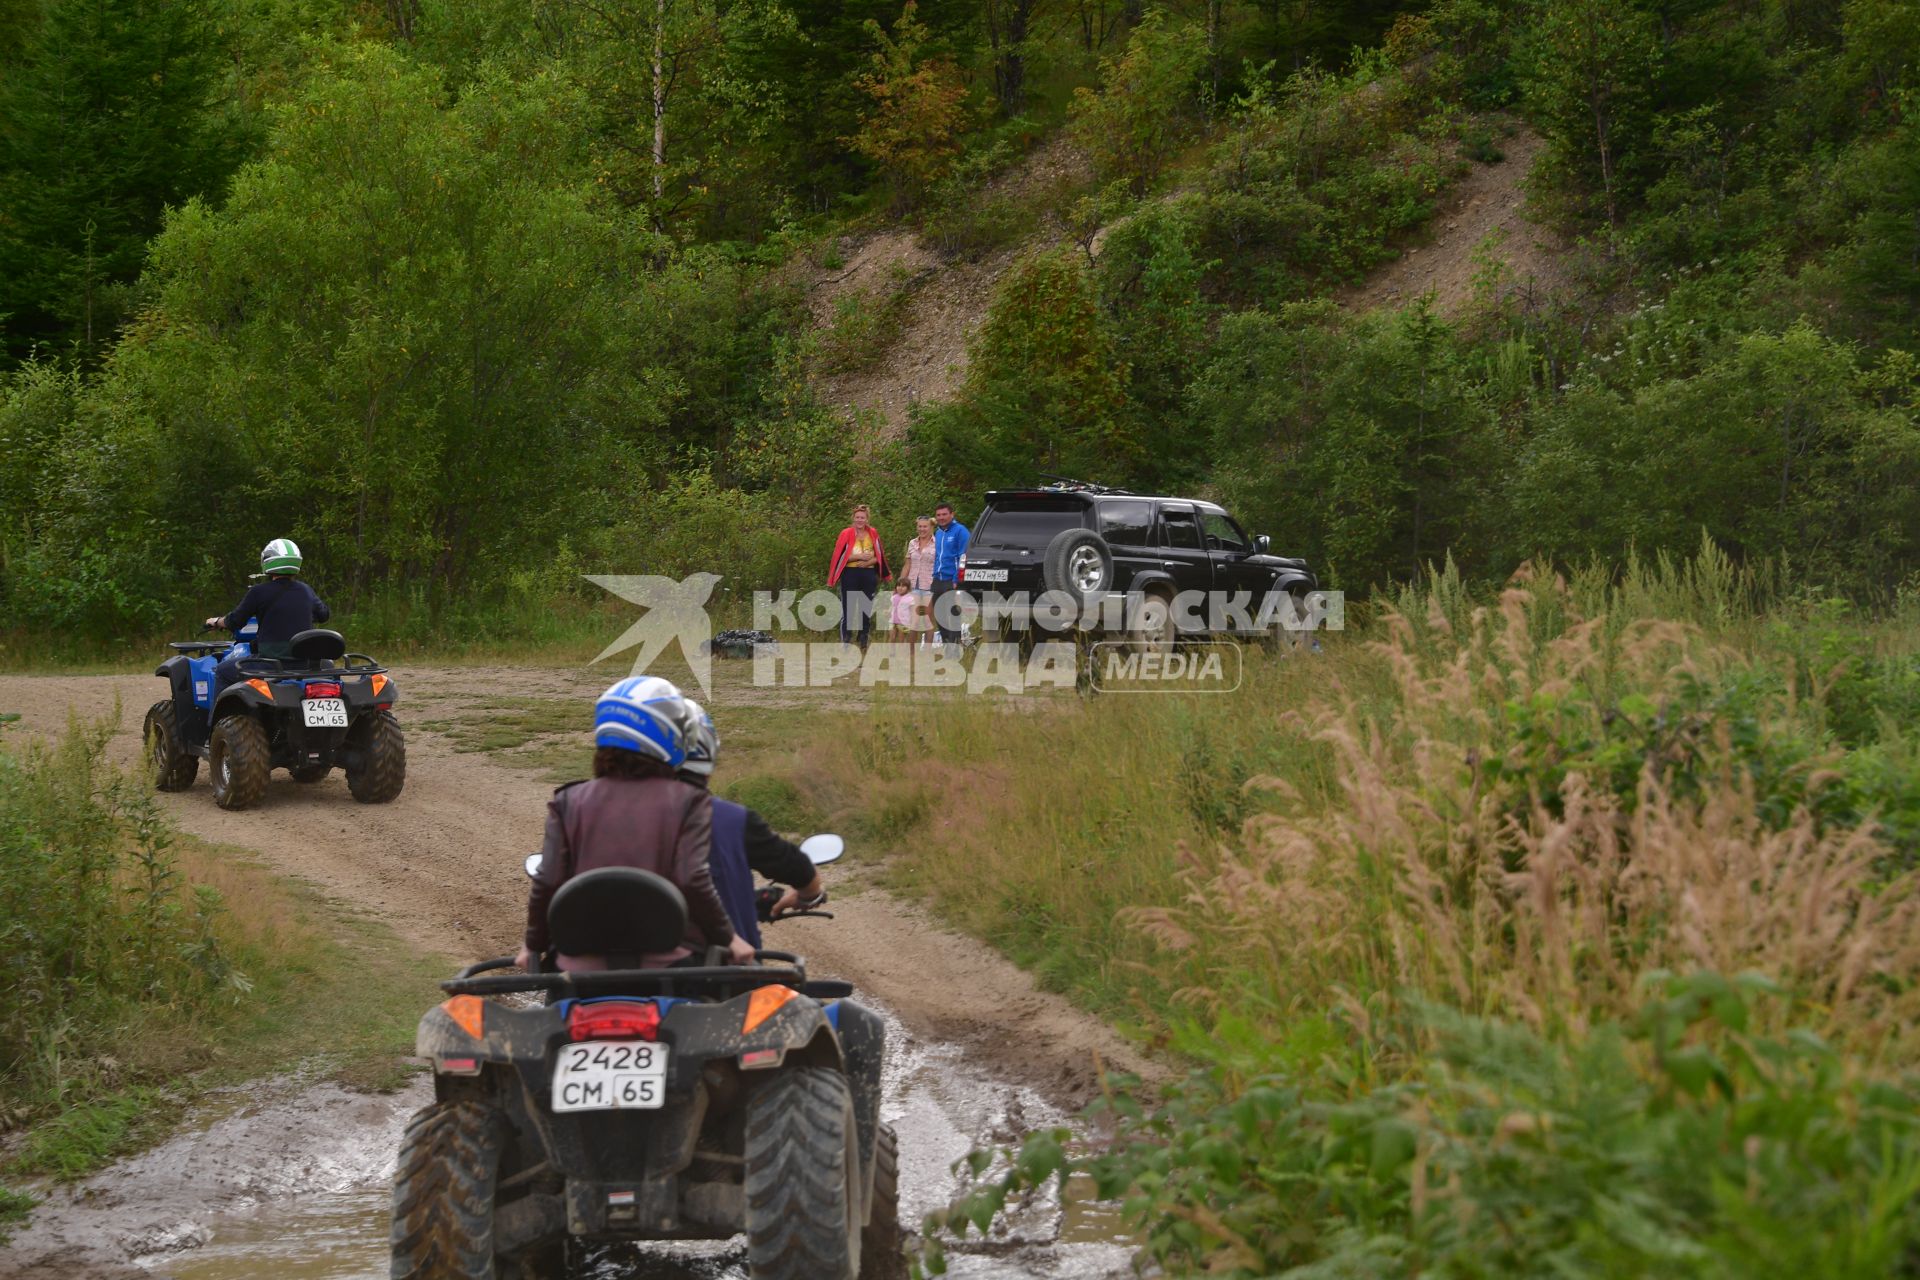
635 813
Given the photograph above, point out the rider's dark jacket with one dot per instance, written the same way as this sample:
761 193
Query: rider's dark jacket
660 825
285 607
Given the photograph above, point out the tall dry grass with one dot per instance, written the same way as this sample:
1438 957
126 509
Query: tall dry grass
1517 805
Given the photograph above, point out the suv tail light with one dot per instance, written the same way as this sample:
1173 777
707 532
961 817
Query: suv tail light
322 689
614 1020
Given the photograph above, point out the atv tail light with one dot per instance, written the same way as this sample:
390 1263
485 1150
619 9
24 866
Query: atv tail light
458 1066
614 1020
379 684
761 1058
469 1013
322 689
763 1004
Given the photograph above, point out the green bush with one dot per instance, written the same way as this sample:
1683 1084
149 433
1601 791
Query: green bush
94 918
1676 1144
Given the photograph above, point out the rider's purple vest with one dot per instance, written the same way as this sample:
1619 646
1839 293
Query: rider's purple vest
731 874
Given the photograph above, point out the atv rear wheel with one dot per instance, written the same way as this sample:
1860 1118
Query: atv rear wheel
171 766
443 1194
310 772
379 758
882 1252
240 761
802 1158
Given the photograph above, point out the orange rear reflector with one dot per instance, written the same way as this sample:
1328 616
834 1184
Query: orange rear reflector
763 1004
266 690
469 1013
379 684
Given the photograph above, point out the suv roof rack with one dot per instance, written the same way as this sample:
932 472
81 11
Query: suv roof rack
1065 484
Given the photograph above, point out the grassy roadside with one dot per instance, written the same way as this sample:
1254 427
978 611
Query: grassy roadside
1568 929
153 968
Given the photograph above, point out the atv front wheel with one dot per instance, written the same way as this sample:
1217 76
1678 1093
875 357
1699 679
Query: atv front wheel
882 1252
802 1155
443 1193
171 766
378 766
240 762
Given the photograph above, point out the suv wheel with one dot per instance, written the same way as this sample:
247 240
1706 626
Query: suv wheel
1078 561
1152 629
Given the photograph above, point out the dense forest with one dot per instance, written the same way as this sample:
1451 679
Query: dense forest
469 296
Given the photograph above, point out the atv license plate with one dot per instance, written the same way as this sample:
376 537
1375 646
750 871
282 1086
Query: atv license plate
324 713
610 1075
985 575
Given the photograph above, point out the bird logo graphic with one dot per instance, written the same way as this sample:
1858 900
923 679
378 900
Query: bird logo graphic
674 611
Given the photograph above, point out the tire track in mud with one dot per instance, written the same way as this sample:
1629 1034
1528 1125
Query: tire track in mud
981 1054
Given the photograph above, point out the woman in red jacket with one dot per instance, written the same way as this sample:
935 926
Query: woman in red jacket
859 566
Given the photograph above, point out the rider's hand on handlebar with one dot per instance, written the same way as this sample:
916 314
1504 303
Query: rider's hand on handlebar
523 960
739 951
215 624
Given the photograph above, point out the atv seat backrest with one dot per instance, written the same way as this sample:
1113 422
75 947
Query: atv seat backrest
317 646
621 913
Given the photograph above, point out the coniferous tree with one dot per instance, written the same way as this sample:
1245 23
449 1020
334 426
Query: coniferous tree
114 111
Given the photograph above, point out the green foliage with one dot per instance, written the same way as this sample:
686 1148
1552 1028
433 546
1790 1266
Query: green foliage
1045 388
94 918
1312 179
113 114
912 129
1589 80
1146 106
1362 437
1680 1143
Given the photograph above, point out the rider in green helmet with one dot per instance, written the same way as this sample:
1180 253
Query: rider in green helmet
283 606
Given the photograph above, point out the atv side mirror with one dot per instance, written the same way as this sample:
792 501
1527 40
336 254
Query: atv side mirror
1260 543
823 848
532 865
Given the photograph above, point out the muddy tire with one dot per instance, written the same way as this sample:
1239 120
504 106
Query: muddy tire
802 1159
170 765
381 753
443 1193
239 761
882 1249
311 772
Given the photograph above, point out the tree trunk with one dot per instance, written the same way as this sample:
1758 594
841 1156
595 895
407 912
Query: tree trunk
659 99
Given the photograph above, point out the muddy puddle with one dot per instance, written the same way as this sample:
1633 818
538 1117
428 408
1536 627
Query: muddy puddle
289 1181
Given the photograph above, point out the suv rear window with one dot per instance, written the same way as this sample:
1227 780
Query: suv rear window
1028 521
1127 522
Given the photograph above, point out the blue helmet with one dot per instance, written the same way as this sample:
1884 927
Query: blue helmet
702 739
644 714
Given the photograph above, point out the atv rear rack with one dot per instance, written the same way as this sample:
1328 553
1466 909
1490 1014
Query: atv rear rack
789 970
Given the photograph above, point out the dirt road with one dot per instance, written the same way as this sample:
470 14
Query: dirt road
441 866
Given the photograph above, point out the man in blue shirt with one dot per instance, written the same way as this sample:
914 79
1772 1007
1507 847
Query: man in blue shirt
950 539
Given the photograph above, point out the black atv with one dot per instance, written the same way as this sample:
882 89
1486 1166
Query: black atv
317 708
647 1104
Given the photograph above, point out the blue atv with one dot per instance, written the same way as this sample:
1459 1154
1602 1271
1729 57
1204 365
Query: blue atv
637 1104
318 708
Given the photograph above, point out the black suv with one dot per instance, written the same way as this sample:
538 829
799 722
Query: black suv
1096 543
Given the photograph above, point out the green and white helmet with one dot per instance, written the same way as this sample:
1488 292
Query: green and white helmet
280 556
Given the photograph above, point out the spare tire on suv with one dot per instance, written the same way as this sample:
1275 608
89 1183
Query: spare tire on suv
1078 562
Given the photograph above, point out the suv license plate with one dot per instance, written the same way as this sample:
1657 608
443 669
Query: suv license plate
324 713
985 575
610 1075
